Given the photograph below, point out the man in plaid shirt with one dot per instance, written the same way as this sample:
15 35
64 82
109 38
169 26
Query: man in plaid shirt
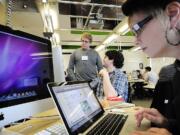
113 82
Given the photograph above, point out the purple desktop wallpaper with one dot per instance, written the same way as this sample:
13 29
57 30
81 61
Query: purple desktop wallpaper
18 68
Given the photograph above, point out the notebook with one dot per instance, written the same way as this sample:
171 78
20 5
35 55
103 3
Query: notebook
77 105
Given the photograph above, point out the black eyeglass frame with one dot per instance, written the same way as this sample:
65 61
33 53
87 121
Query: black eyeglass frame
138 26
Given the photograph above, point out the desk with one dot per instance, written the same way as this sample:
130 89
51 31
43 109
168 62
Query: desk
137 87
149 86
32 126
135 80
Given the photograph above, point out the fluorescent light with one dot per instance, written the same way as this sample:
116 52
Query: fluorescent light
110 39
123 28
44 1
136 49
99 48
125 31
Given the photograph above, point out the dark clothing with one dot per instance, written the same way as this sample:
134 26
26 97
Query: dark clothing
167 97
163 90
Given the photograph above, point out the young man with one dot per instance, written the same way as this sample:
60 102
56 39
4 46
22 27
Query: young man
85 63
114 81
150 76
156 25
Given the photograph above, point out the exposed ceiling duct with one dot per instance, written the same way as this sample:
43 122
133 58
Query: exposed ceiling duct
95 14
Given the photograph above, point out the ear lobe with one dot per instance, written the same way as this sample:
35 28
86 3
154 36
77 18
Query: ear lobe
173 11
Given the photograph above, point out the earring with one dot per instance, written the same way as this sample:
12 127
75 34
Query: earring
173 36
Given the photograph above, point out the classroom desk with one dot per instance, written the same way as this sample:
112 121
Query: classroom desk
135 80
35 125
149 86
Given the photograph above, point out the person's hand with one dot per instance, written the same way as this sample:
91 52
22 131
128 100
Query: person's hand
103 72
150 114
152 131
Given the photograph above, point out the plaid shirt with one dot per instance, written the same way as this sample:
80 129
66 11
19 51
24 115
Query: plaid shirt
119 81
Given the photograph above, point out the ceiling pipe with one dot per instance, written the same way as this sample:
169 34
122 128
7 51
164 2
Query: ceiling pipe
92 7
94 30
95 4
103 18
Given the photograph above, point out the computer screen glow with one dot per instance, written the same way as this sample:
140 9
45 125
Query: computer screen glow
25 68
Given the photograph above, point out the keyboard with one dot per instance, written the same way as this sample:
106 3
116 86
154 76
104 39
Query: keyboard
55 129
111 124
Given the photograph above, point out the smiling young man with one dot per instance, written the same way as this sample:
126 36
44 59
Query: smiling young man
156 25
85 63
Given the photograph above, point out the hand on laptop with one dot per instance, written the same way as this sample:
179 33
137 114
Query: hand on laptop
152 131
150 114
104 102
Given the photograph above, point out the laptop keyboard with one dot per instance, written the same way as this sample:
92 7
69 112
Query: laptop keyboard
55 129
111 124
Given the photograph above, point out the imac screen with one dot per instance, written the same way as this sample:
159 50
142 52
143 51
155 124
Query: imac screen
25 67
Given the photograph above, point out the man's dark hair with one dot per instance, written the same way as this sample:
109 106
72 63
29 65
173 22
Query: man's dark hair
117 57
148 68
133 6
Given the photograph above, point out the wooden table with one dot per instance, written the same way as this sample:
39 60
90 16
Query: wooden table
37 124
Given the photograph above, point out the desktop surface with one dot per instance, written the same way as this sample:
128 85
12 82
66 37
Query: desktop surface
35 125
7 132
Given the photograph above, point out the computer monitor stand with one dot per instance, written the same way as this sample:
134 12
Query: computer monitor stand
4 131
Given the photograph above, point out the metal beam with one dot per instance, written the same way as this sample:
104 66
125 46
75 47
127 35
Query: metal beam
84 3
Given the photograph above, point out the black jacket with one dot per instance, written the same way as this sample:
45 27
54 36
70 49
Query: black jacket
167 97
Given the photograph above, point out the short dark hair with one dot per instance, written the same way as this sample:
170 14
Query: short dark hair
117 57
148 68
133 6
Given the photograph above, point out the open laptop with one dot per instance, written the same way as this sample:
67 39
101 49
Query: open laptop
80 110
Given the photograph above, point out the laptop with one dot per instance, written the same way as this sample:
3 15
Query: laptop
79 108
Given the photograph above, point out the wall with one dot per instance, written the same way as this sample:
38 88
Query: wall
158 63
132 60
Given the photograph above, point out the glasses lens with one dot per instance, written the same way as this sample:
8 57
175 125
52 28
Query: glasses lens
85 41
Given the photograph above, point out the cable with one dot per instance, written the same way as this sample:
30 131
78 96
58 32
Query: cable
45 117
9 13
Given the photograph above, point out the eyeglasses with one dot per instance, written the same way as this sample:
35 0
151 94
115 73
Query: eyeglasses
137 28
84 41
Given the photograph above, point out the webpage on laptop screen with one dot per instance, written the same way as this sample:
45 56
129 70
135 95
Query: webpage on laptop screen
77 103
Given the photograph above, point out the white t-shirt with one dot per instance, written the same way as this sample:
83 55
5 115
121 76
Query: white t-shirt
151 77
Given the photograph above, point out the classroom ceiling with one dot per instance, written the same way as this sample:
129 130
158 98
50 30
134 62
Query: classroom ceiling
97 16
88 12
84 14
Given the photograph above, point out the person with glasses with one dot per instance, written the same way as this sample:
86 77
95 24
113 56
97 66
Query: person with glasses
156 26
85 63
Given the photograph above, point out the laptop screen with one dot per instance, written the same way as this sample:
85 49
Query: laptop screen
78 106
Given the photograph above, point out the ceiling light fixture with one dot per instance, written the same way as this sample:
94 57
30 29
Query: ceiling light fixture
123 29
100 47
44 1
134 49
110 38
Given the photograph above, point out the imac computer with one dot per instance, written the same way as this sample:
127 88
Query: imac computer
26 66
